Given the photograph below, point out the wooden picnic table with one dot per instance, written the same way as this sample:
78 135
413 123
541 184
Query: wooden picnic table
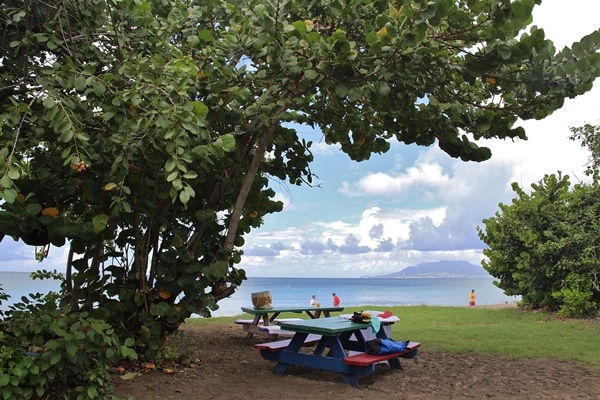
340 337
269 315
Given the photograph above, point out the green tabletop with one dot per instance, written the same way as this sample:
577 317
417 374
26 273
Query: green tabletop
324 326
278 310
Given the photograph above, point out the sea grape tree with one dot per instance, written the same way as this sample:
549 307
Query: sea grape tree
143 133
545 245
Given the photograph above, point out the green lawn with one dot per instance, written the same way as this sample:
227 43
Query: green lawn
508 332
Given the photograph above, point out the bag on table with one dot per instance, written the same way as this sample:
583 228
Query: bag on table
361 317
385 346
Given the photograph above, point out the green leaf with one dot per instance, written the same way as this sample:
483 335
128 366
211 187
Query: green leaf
313 37
80 84
55 357
504 52
311 74
92 391
100 222
300 26
372 37
341 91
170 165
99 89
53 43
190 174
49 102
172 176
200 108
13 173
226 142
184 197
205 35
129 353
71 349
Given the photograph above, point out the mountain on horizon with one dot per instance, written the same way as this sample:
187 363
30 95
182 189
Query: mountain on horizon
438 269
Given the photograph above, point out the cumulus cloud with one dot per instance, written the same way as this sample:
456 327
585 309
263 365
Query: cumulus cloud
422 175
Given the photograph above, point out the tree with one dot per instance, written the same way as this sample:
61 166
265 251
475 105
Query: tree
589 136
144 133
544 246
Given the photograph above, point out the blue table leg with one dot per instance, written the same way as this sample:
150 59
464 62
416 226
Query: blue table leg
336 350
294 347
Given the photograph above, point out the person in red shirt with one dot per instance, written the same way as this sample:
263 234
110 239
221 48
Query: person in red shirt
336 300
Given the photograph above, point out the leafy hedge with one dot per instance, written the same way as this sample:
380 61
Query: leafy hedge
56 353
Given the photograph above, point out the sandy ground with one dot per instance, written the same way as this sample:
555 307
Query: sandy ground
224 365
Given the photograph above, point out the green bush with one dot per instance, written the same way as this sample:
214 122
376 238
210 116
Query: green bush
576 298
53 353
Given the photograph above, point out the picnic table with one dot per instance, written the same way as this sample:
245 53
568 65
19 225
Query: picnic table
268 317
340 347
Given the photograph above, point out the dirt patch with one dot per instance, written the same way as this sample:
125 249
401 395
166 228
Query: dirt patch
226 366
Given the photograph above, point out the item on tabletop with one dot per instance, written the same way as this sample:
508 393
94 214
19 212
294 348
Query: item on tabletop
262 300
385 346
385 314
361 317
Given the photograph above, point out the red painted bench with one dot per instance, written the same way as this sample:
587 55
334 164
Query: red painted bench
365 359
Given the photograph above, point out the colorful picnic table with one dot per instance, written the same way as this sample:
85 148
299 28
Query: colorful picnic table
335 338
269 315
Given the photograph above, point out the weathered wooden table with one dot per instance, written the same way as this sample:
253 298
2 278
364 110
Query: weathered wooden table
268 316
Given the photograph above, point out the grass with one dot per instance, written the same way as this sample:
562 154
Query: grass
508 332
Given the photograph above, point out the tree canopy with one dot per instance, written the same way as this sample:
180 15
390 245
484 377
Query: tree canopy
144 133
544 246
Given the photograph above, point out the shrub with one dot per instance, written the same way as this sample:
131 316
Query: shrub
53 353
576 297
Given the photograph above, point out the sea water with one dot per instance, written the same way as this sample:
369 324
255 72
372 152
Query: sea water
356 292
295 292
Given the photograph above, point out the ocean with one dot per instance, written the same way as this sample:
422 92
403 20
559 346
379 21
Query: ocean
354 292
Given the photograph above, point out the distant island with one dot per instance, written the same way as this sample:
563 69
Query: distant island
438 269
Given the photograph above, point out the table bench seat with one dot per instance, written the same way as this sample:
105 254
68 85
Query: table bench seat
277 321
275 330
365 359
279 345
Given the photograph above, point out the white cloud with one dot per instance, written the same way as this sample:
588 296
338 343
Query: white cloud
421 176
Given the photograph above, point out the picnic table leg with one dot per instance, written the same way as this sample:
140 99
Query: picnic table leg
294 347
275 315
254 323
336 350
311 315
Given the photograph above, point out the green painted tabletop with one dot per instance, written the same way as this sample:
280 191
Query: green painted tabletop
322 326
273 310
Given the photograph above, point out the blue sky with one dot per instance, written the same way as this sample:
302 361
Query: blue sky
410 205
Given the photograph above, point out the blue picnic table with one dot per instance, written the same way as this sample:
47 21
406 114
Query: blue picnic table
334 340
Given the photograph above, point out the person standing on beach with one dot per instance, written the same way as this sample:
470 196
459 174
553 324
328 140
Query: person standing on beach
472 297
336 300
313 300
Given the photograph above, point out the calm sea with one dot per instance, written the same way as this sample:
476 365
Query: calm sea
354 292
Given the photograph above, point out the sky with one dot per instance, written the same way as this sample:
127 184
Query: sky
410 205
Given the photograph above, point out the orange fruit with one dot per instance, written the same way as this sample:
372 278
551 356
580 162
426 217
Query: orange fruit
52 211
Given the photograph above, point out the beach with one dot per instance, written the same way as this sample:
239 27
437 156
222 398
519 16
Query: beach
241 373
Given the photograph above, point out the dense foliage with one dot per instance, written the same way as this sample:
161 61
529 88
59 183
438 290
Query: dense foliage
51 353
545 245
143 133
